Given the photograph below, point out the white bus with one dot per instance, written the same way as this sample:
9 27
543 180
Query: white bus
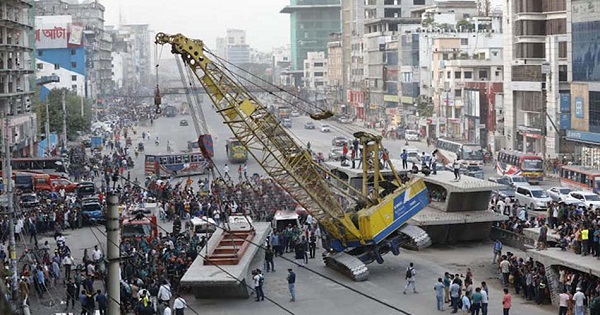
469 153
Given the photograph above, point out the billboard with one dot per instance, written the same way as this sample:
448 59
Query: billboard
53 32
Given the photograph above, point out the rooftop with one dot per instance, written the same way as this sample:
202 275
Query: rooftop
295 8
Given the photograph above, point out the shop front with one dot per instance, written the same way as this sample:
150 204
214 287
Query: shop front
586 147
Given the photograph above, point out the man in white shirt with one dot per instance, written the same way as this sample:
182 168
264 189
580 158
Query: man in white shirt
164 292
167 310
563 302
97 254
579 299
179 305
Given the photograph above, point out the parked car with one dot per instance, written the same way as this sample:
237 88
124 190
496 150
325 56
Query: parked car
344 120
339 141
183 122
335 154
29 200
85 189
534 197
295 113
412 135
559 193
589 198
325 128
309 125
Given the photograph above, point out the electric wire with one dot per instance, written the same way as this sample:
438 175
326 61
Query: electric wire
262 247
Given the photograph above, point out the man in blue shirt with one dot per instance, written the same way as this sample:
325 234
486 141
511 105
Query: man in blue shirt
102 302
439 294
291 279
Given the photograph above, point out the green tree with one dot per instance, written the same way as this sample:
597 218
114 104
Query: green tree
75 122
424 107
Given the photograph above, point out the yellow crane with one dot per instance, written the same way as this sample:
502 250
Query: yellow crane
358 233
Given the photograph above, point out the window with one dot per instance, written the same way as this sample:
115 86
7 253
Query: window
468 75
56 66
444 56
458 93
457 74
448 75
73 52
318 74
483 74
73 64
73 78
416 2
40 66
464 41
318 64
74 87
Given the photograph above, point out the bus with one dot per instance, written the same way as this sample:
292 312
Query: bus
170 111
469 153
236 151
283 112
520 164
579 177
175 165
48 165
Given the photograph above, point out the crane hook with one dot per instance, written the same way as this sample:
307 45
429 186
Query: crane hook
157 100
321 116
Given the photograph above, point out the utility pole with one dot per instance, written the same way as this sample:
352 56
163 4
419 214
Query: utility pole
8 193
113 255
81 99
32 136
64 108
47 128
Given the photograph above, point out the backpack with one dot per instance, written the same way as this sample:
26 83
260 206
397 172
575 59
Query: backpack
261 280
409 273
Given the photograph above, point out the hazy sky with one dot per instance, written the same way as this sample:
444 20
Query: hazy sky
207 19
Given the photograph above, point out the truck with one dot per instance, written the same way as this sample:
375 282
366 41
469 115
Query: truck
359 225
96 143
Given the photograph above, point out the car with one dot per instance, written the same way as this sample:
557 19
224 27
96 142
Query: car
515 180
85 189
295 113
183 122
309 125
589 198
58 183
339 141
286 122
559 193
474 171
29 200
534 197
325 128
344 120
501 181
411 135
335 154
92 212
503 193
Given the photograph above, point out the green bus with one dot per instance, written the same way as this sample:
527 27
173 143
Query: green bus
236 151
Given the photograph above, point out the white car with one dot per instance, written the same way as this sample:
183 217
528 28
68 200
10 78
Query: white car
325 128
411 135
589 198
534 197
516 181
559 193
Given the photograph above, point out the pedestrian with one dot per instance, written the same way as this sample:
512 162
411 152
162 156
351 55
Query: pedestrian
245 171
67 262
447 283
439 294
291 279
579 299
269 253
497 250
456 168
226 172
506 302
454 295
258 280
312 245
476 301
102 302
484 298
563 302
240 172
179 305
404 157
410 278
164 293
167 310
71 293
466 304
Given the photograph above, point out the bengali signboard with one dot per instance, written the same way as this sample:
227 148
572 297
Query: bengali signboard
57 32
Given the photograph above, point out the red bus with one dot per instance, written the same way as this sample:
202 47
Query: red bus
579 177
517 163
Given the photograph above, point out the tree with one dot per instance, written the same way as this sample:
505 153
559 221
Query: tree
424 107
75 122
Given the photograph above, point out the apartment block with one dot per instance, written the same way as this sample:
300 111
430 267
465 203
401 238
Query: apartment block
315 71
17 81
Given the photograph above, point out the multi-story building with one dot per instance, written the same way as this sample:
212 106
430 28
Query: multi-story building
335 72
140 37
536 68
382 22
311 22
17 82
315 71
238 51
281 63
580 105
59 52
97 43
353 15
123 55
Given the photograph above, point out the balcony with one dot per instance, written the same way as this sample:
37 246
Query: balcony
530 39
